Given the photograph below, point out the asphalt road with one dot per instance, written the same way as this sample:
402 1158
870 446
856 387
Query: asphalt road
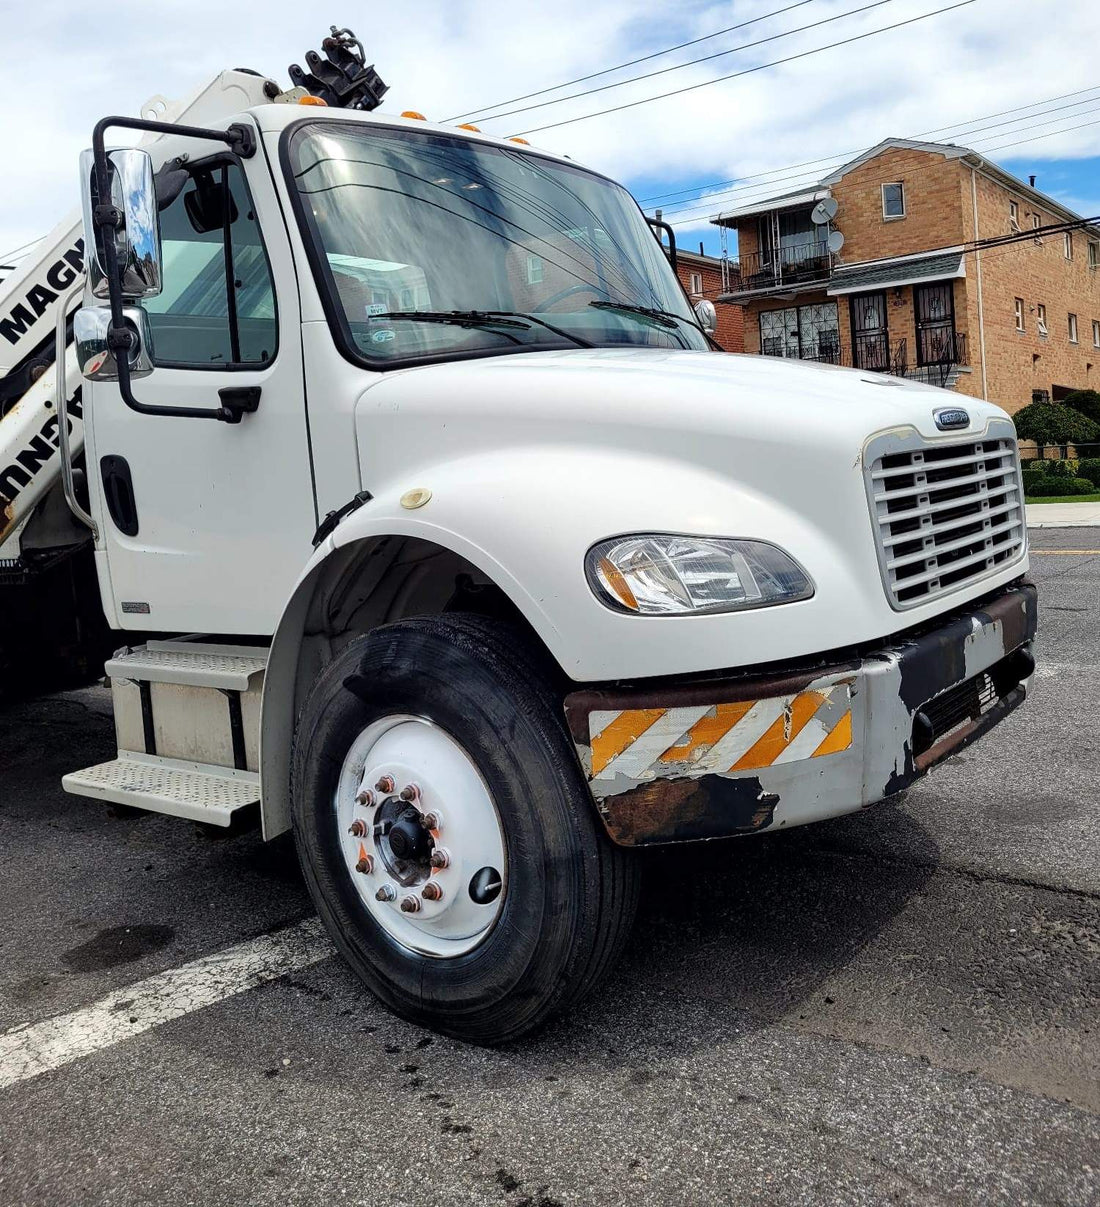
896 1007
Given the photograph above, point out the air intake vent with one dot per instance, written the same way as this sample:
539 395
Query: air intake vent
945 515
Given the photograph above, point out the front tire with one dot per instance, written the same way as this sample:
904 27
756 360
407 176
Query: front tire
486 791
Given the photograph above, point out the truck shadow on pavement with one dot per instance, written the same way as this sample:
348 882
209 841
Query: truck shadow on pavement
754 926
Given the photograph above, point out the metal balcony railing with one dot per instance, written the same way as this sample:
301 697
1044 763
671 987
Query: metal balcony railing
872 351
795 265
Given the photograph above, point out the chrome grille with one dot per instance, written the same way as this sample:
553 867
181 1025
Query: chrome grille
945 515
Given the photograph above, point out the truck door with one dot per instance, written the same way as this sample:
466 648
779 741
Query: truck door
206 524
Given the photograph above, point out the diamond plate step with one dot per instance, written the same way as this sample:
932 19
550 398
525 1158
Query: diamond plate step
187 662
192 790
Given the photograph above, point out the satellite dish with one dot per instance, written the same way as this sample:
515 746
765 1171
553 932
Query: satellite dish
824 211
835 241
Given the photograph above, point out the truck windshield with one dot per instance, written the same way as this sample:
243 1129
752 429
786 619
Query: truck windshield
403 221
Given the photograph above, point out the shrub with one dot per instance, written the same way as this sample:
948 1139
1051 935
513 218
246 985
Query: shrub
1053 423
1085 402
1047 488
1060 469
1089 468
1032 477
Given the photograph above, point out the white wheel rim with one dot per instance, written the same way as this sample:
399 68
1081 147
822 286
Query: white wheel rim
460 907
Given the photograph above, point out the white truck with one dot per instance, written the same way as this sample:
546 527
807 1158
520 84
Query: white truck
437 533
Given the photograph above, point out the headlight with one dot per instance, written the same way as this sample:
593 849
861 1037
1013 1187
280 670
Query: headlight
662 575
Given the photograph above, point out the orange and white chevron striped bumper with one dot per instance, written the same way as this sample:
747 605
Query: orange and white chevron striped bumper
706 760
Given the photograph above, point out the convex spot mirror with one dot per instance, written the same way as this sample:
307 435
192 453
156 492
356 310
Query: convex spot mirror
95 359
137 239
707 315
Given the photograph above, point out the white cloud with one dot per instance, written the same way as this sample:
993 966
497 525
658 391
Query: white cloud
64 68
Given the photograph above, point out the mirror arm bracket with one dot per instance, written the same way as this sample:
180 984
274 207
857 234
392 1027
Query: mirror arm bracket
241 140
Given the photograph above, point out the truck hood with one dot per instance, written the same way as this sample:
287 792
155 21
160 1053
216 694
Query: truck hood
697 390
532 458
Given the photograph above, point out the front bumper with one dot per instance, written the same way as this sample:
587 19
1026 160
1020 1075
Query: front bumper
710 759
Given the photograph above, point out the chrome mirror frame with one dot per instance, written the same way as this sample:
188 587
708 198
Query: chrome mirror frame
136 234
707 315
95 358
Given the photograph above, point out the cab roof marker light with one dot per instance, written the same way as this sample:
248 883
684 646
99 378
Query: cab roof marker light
469 126
414 116
312 100
522 141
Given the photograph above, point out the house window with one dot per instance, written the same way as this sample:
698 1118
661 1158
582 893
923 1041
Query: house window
1072 328
1036 222
1067 241
1094 253
893 200
802 332
1042 319
1096 333
1019 314
534 270
696 284
1014 215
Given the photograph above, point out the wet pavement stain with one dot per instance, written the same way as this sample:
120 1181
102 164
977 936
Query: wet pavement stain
118 945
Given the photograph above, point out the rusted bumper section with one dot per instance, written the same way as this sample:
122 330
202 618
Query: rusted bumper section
681 762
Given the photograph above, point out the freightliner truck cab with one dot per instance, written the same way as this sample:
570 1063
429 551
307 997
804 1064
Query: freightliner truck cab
439 534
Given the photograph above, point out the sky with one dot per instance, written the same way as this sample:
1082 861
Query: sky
65 67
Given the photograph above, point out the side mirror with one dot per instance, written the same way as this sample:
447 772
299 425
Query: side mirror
707 315
95 356
132 194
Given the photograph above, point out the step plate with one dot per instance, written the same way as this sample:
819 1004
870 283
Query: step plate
201 667
191 790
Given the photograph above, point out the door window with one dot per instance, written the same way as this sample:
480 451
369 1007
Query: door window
804 332
935 317
217 308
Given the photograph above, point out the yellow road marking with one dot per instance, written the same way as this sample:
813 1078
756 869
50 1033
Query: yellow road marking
1061 552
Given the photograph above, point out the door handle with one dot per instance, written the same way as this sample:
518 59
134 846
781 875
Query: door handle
238 401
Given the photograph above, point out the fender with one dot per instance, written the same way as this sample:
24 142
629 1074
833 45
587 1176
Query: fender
524 519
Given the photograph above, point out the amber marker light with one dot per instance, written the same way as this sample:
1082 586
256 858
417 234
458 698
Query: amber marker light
312 100
414 116
613 580
522 141
470 126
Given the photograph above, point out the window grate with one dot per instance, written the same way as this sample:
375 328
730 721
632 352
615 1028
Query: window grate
944 515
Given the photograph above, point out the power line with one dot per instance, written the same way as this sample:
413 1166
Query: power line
749 70
683 220
690 62
763 190
844 155
629 63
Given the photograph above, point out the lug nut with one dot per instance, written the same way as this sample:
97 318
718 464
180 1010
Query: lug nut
432 891
385 893
366 798
432 821
412 792
386 784
440 858
365 865
410 905
358 828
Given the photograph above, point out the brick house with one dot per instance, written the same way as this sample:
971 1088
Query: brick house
702 277
899 293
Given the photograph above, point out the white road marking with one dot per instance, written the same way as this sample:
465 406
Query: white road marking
35 1048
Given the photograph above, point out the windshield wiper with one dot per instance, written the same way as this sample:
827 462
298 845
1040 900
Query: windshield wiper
660 318
486 318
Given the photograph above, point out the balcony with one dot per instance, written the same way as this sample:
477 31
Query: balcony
784 268
938 361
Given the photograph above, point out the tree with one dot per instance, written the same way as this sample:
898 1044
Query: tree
1085 402
1055 423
